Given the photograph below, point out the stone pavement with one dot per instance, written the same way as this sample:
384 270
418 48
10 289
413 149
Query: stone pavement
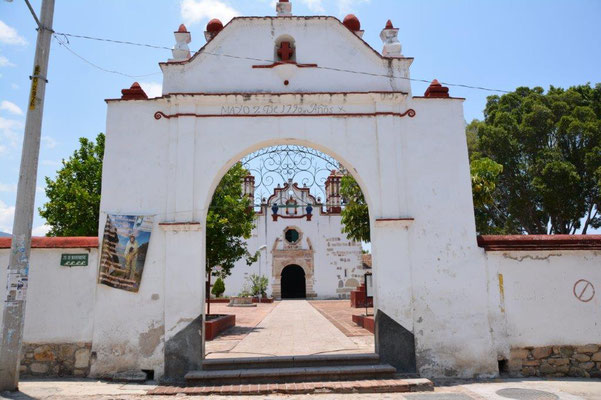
247 319
293 327
519 389
340 313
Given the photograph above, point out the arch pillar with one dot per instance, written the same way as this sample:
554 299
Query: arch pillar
183 298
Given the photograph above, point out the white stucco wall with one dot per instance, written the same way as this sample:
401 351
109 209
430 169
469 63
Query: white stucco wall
60 300
536 303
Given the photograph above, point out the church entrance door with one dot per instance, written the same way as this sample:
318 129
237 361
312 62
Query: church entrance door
293 282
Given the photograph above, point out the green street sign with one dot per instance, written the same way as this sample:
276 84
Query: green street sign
74 260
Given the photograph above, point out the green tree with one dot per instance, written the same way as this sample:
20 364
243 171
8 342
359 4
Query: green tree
230 221
355 214
218 287
549 145
485 174
74 195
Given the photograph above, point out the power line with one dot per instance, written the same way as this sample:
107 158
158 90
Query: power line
249 59
65 44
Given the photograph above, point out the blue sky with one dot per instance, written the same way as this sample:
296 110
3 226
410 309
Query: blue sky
497 44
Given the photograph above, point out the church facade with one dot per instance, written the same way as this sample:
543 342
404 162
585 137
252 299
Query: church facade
302 250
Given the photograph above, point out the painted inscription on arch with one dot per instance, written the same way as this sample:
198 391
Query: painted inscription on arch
270 109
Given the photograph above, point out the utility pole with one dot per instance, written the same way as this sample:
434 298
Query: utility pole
18 267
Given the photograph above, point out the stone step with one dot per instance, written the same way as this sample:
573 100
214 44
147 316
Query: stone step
359 386
325 360
294 374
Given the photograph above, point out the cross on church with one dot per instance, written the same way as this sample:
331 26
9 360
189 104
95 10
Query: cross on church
285 51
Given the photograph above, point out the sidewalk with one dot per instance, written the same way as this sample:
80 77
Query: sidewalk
526 389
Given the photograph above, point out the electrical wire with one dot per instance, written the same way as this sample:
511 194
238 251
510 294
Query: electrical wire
65 44
66 35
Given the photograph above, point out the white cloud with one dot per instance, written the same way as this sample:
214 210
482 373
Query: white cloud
314 5
9 35
5 62
10 134
7 214
152 89
193 11
11 107
348 6
41 230
49 142
9 188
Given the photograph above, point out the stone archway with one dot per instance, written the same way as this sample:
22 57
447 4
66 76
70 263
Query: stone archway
293 282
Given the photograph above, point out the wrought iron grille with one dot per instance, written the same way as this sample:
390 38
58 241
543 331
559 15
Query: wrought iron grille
278 164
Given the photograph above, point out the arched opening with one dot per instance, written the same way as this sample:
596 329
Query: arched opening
294 285
302 252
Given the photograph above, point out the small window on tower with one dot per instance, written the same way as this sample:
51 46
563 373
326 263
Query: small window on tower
292 236
285 49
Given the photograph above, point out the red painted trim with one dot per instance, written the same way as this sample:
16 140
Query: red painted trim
439 98
159 114
276 216
275 64
539 242
37 242
262 94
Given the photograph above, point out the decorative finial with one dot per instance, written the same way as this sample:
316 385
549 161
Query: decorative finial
135 92
436 90
389 36
283 8
181 51
353 24
213 28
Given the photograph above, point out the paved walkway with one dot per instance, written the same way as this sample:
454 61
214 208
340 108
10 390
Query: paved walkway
294 327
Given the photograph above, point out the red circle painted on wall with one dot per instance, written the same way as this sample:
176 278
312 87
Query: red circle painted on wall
584 290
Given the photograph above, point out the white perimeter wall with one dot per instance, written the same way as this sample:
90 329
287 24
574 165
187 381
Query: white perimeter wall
60 300
536 305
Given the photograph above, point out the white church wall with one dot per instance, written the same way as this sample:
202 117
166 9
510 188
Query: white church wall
325 44
60 299
333 254
542 299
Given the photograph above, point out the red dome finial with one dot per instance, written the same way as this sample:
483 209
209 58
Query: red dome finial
352 22
214 26
389 25
437 90
135 92
182 28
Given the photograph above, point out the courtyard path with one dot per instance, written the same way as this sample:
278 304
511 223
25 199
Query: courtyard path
294 327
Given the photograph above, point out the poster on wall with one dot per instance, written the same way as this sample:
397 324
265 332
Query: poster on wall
124 246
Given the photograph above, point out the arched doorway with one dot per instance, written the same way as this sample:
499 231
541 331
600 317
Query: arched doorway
294 285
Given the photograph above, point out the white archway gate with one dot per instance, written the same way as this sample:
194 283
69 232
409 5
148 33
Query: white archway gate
165 156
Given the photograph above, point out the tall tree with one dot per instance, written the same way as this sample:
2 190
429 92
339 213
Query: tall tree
549 146
355 214
74 195
230 221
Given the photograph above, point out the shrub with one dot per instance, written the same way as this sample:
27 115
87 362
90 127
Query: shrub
218 287
258 284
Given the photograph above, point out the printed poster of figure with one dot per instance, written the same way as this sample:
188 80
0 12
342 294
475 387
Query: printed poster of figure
124 247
